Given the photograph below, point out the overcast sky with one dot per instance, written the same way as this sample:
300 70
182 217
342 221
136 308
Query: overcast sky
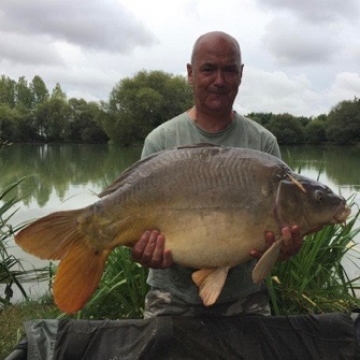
301 57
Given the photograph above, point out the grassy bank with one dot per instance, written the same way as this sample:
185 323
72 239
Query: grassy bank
12 318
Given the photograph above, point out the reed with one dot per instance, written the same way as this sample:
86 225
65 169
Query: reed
315 280
12 272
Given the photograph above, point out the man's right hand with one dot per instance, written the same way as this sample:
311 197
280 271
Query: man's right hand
150 251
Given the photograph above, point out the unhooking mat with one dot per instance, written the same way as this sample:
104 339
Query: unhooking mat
328 337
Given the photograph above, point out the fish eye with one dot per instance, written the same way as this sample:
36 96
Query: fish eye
318 195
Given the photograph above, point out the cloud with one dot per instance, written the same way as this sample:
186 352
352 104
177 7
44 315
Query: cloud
90 24
277 92
293 44
37 50
345 87
315 11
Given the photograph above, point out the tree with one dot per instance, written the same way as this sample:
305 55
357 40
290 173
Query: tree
39 90
83 125
261 118
52 117
24 95
304 121
287 129
315 132
57 93
343 124
7 91
7 123
139 104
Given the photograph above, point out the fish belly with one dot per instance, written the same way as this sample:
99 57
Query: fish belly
213 239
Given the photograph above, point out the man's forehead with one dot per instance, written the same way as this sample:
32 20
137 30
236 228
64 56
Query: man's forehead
215 52
217 59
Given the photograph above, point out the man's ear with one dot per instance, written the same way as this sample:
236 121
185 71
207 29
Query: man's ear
189 73
241 73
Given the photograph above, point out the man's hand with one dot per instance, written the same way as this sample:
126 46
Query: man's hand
150 251
291 245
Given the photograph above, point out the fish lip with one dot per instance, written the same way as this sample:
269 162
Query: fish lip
342 214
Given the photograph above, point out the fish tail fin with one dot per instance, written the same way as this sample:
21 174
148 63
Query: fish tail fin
263 267
210 283
58 236
51 236
77 277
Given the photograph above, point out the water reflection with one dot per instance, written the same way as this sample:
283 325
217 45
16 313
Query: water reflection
57 169
340 166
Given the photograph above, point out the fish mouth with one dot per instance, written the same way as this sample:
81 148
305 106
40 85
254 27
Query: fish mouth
342 214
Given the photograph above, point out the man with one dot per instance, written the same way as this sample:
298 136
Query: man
215 74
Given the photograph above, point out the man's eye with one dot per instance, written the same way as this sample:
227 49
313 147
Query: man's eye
232 70
207 70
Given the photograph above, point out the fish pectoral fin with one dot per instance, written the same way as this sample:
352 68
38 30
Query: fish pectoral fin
77 277
266 262
210 283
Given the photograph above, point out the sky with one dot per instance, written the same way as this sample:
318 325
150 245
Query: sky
300 57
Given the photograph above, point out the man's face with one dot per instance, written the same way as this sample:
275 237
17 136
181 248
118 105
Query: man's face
215 76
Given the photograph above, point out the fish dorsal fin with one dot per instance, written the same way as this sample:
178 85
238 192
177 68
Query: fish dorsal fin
198 145
120 181
266 262
210 283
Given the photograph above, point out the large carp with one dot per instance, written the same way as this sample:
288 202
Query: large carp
212 204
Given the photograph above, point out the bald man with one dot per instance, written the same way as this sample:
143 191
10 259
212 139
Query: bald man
215 74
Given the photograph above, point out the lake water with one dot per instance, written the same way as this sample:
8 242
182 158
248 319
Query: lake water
61 177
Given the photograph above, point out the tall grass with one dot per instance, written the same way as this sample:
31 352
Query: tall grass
315 281
12 273
8 262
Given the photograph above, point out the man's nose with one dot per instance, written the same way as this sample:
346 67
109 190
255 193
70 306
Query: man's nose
219 79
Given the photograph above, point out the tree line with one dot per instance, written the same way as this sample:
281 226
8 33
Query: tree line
29 112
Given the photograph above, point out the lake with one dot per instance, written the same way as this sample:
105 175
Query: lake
60 177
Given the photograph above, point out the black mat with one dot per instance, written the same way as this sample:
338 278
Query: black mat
328 336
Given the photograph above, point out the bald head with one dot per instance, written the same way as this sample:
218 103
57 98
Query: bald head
212 40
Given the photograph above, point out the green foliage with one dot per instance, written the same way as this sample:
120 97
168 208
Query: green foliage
51 119
84 123
139 104
39 90
287 129
315 132
261 118
343 124
7 91
29 113
315 281
24 95
8 122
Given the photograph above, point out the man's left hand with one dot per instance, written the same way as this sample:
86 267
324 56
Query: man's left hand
292 242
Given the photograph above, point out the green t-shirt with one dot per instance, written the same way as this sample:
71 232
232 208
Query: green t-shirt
180 131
